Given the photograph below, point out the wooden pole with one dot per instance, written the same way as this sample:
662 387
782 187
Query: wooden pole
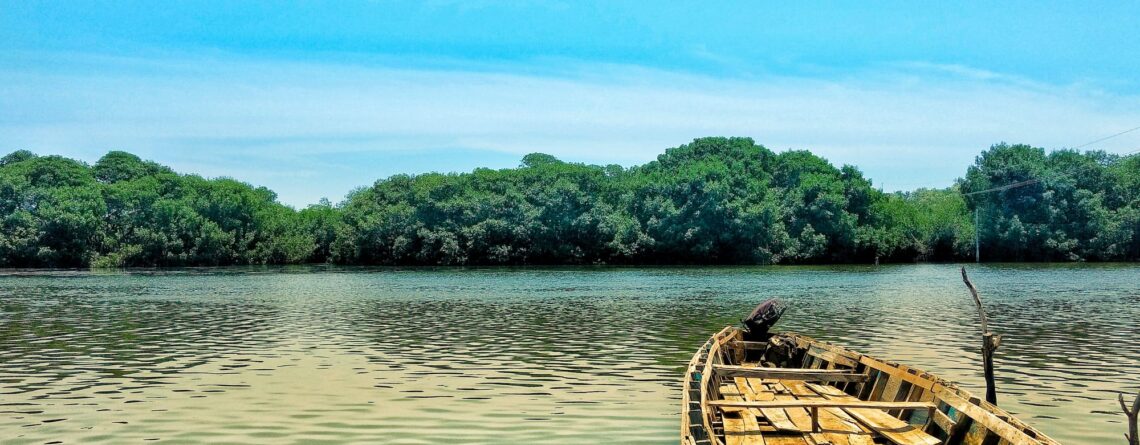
977 238
990 342
1132 436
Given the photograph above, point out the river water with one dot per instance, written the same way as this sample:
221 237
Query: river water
562 355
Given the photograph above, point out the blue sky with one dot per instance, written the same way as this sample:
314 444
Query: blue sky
316 98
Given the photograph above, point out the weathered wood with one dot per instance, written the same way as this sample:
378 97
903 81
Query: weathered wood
799 403
778 417
894 430
972 419
744 430
990 342
831 419
832 356
984 418
841 439
749 345
814 375
944 422
734 431
787 440
799 416
1133 438
708 380
921 380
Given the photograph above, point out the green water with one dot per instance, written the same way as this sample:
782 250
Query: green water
571 355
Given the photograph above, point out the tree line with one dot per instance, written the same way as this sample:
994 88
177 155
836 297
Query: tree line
712 201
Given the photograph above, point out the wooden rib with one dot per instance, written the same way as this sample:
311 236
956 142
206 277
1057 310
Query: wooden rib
892 429
944 422
707 379
813 375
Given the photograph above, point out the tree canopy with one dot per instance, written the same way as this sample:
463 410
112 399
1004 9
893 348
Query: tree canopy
712 201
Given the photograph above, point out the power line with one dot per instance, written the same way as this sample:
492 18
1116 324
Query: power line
1107 138
1037 180
1005 187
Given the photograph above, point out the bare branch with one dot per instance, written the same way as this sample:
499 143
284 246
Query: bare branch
990 342
1132 436
977 301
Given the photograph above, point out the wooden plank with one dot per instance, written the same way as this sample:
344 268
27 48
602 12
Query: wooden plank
831 419
841 439
836 427
891 389
744 430
786 440
832 356
804 342
813 375
894 430
775 416
830 429
921 380
984 418
827 403
944 422
739 431
801 417
733 431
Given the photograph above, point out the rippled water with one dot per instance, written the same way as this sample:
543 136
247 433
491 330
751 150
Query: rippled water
583 355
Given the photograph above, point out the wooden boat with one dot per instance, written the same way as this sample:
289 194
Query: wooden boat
791 389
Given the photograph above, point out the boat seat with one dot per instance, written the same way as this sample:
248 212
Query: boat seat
811 375
826 403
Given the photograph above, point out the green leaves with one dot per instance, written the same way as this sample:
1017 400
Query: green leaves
712 201
1074 206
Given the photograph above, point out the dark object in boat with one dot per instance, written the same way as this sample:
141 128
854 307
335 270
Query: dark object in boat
762 318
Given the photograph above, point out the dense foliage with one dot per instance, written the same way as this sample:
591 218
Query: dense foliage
715 200
1073 206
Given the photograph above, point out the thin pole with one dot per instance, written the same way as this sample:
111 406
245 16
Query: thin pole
977 238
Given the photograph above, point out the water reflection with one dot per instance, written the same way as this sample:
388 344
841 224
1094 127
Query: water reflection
581 355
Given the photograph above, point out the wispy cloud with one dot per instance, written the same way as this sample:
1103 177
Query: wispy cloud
284 124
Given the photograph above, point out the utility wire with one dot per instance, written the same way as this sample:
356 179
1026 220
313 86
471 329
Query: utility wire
1107 138
1037 180
1005 187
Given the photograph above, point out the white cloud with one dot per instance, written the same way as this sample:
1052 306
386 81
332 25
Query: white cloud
273 122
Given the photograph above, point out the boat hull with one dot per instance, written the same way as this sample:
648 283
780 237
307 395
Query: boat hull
795 389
